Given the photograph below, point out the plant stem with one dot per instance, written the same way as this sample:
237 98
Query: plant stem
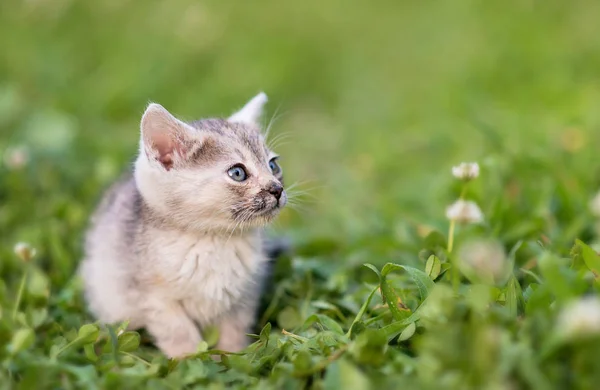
455 273
64 348
20 294
136 358
463 192
362 310
322 365
294 336
451 235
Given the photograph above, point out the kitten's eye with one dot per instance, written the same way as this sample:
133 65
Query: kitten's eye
275 168
237 173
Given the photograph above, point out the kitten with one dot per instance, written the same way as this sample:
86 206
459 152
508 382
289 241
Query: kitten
178 245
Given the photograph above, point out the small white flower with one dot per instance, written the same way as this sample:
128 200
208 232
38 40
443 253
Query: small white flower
464 211
595 205
16 157
25 251
484 261
580 319
466 171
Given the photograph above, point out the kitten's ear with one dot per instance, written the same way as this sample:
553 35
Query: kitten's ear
252 111
163 135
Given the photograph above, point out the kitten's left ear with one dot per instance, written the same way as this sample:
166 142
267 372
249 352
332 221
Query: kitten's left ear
163 135
251 112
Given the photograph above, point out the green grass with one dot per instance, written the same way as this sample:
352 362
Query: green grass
375 102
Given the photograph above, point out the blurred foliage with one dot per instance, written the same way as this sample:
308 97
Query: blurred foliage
372 103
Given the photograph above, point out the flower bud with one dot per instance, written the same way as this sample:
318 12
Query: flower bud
464 211
580 319
24 251
16 158
484 261
595 205
466 171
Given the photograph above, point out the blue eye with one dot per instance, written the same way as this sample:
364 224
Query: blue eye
275 168
237 173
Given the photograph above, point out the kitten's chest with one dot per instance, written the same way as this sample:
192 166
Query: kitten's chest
210 271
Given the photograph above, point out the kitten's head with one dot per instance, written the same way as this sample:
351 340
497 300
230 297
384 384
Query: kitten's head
212 174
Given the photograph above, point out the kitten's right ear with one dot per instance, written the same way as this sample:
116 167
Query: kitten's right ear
252 111
162 135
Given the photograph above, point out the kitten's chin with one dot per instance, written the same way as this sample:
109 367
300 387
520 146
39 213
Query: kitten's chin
267 216
262 217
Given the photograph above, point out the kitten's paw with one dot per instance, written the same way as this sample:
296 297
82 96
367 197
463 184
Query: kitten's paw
233 342
178 350
175 334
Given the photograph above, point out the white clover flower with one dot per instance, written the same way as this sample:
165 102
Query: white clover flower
466 171
16 157
484 260
464 211
580 319
595 205
25 251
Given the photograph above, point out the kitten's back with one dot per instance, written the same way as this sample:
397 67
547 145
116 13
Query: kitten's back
109 248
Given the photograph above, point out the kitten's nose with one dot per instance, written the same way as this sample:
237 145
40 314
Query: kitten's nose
275 189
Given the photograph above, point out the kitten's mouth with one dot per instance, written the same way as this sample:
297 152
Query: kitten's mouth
259 217
270 205
271 211
262 211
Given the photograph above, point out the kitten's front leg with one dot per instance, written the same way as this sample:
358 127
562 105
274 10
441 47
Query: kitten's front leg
175 333
233 329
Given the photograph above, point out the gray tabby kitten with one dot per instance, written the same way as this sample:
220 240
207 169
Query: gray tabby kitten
179 246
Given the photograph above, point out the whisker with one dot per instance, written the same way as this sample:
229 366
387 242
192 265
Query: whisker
297 207
273 119
300 183
297 194
277 141
285 134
